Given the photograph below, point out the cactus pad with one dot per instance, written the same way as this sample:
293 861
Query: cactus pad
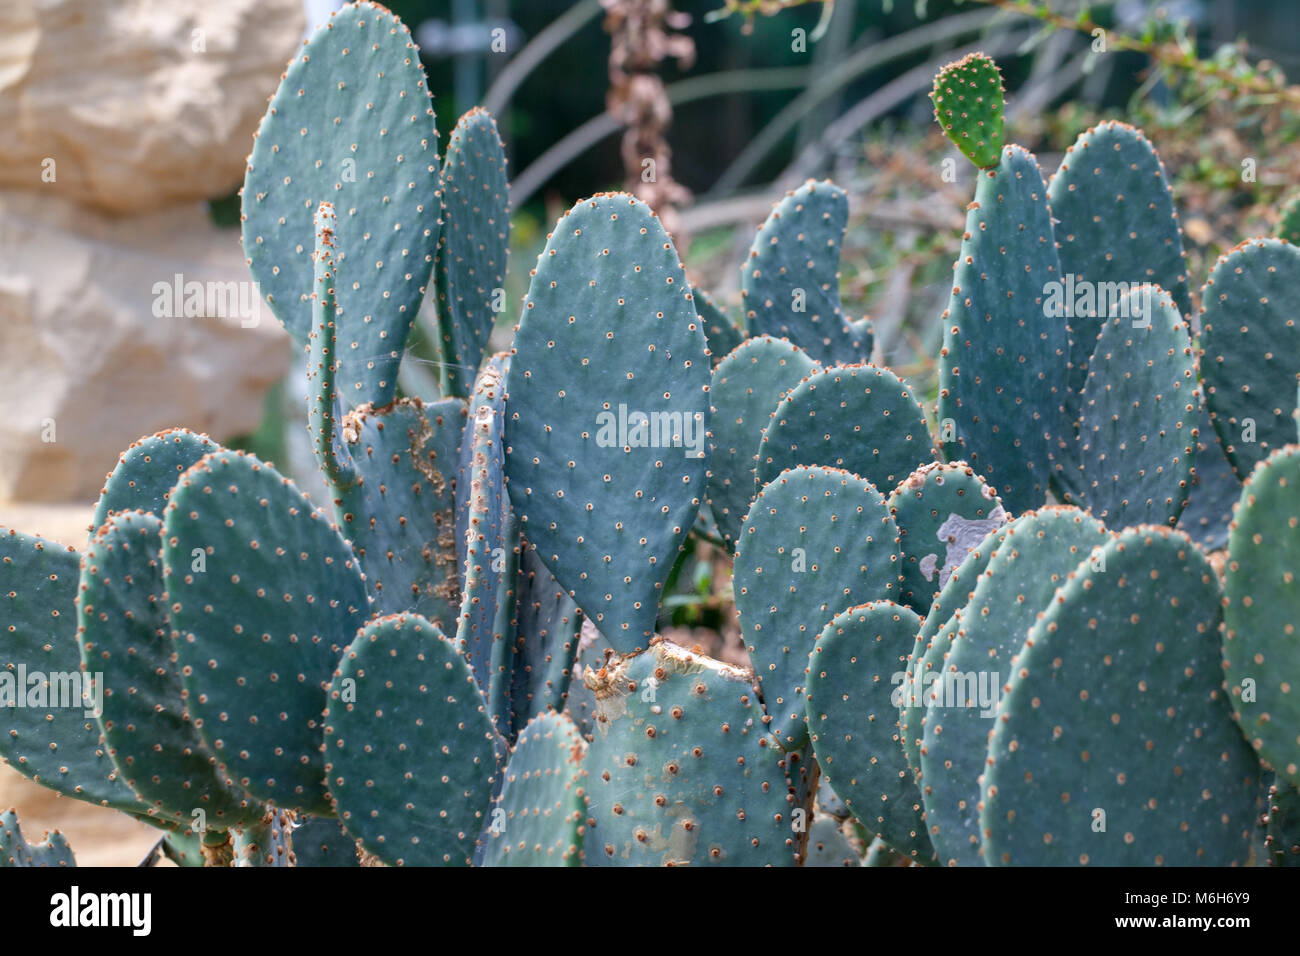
352 123
858 418
968 103
471 259
1261 647
853 720
146 472
408 745
124 633
748 385
1249 341
53 737
540 815
942 511
1114 744
1032 558
679 769
263 595
16 852
1002 370
1139 410
791 281
607 408
816 540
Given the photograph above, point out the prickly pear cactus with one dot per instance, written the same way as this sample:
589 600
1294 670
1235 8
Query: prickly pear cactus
471 260
816 540
942 511
1260 648
1249 340
932 642
853 719
1111 746
858 418
51 734
124 633
791 281
1140 406
539 818
352 123
1032 558
406 718
1003 359
968 103
147 470
263 595
16 852
679 768
607 413
748 385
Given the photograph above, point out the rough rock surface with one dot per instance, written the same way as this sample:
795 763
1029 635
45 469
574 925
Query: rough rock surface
96 349
139 103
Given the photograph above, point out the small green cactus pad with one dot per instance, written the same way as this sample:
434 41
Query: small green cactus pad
1261 610
548 629
828 846
723 336
16 852
748 385
48 732
472 252
409 745
1288 225
539 817
1116 228
1214 491
1003 367
400 511
856 664
146 472
352 123
968 102
267 841
1114 744
607 413
679 769
1282 839
859 418
488 545
936 636
322 841
124 634
942 511
817 540
1034 557
1249 342
791 280
1139 411
263 594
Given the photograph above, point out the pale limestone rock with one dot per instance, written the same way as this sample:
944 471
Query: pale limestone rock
84 352
118 93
